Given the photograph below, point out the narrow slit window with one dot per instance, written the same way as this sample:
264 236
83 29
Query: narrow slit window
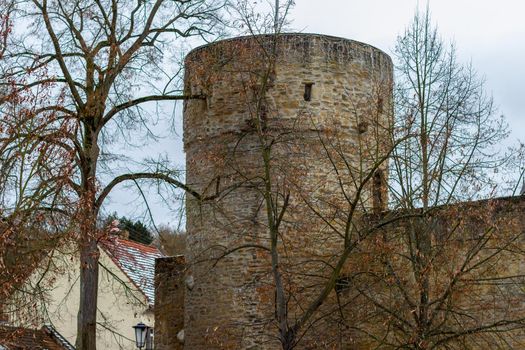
362 127
378 184
380 105
308 91
342 283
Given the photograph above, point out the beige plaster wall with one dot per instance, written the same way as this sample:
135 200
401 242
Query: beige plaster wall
56 301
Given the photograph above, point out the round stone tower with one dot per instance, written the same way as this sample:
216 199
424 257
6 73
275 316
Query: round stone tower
291 125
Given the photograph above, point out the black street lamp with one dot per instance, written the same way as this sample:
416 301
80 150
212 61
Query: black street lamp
142 333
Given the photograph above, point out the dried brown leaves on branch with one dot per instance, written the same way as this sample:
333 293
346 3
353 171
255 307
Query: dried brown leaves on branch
31 175
94 65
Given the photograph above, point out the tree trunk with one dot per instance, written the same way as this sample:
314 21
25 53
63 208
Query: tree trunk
288 339
87 313
88 244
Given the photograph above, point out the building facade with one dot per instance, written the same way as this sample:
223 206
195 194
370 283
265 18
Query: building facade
125 295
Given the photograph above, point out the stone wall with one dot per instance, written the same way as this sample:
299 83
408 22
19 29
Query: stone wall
475 270
169 303
488 295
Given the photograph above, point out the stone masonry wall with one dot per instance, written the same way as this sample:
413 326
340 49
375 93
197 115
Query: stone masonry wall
322 146
477 270
169 302
482 304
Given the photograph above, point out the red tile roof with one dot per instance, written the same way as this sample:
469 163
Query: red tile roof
46 338
137 261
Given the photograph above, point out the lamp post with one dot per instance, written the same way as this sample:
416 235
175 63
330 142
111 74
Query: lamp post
143 336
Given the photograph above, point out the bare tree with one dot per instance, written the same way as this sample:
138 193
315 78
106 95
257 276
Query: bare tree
446 105
443 278
170 241
101 62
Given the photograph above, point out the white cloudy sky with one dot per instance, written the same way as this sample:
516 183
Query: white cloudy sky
489 34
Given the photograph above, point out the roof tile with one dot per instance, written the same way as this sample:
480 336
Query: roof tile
137 261
17 338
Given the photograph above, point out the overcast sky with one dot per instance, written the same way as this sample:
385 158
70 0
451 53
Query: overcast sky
489 34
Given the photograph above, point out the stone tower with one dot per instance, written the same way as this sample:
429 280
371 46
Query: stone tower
293 124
